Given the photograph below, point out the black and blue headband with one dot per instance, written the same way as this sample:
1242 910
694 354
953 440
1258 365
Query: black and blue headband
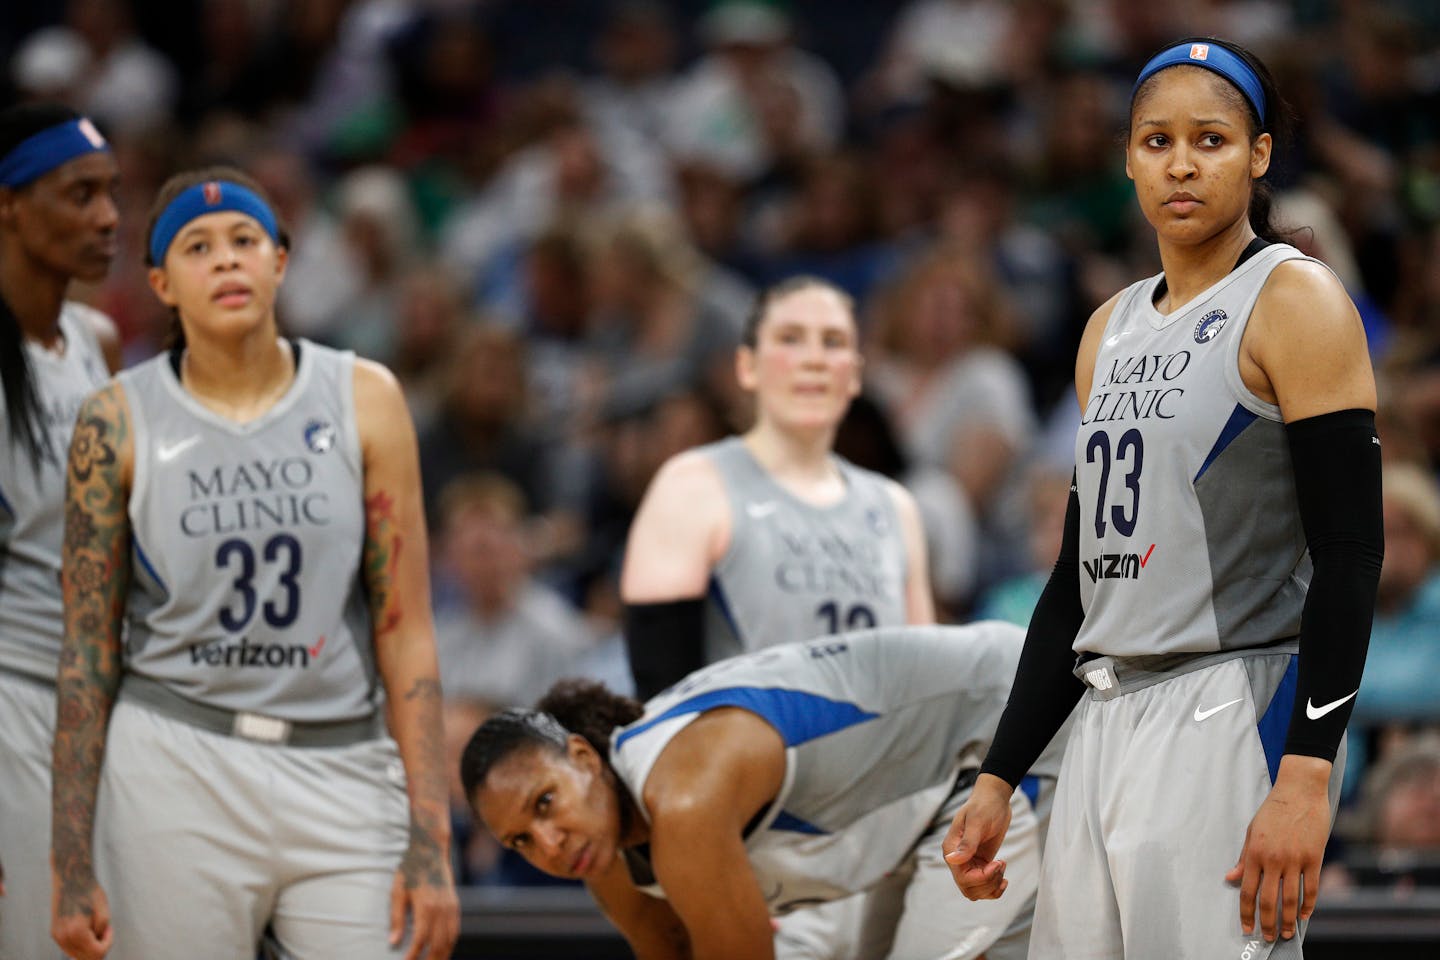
37 155
1212 57
212 196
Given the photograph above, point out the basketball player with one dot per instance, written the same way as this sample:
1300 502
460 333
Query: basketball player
1228 430
760 538
767 536
247 508
57 223
793 775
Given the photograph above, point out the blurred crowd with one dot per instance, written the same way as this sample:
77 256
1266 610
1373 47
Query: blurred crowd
550 218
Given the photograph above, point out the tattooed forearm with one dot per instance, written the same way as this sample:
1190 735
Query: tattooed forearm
94 578
381 561
424 860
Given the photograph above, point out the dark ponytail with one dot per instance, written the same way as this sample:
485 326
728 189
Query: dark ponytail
1278 121
572 706
22 402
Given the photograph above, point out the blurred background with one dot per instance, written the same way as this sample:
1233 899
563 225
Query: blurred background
550 217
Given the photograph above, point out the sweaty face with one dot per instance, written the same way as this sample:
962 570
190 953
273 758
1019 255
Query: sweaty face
222 272
805 366
556 809
67 219
1190 154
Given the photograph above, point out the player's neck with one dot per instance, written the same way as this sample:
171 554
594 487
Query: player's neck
803 464
1192 269
33 294
239 380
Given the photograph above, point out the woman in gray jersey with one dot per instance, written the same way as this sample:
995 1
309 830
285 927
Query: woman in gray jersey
799 774
245 513
1218 575
57 223
769 536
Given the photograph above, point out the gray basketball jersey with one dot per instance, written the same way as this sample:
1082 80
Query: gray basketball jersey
32 509
877 725
246 590
795 570
1190 534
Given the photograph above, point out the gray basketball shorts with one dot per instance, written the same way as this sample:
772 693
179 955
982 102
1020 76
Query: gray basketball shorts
27 735
203 839
1168 761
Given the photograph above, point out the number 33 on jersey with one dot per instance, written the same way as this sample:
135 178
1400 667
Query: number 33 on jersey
247 541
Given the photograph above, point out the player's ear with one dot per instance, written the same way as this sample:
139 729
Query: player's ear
582 754
745 366
160 283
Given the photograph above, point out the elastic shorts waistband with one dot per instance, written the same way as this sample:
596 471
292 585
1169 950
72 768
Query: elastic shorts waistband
255 727
1111 677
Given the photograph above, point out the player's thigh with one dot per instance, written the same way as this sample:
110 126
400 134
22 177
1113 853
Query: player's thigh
182 840
938 923
1075 891
1209 744
27 718
824 931
345 828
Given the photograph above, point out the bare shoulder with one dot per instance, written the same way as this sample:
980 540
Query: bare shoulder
1090 346
688 473
103 444
374 382
1302 298
725 764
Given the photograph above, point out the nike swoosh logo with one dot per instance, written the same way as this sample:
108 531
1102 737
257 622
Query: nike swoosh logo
1207 714
761 510
1315 713
168 453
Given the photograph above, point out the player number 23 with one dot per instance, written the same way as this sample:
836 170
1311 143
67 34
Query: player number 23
1131 449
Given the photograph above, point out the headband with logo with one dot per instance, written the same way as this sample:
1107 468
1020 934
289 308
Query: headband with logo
212 196
37 155
1215 58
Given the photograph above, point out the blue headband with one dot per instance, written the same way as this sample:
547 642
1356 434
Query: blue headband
1215 58
212 196
37 155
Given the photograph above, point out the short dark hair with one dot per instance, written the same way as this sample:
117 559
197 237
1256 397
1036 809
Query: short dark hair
781 290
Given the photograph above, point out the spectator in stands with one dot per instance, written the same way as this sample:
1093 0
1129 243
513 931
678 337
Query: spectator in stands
506 637
481 424
1403 664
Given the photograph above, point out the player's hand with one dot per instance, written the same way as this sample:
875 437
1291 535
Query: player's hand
1283 849
424 888
975 837
80 919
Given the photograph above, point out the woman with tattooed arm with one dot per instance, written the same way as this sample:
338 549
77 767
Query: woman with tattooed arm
247 508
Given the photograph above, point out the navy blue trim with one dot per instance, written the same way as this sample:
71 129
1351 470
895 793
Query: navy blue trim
797 715
717 594
1030 786
148 566
1275 722
1240 418
5 504
789 822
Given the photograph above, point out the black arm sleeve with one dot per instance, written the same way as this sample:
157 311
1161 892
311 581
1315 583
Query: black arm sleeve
665 642
1045 688
1337 483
